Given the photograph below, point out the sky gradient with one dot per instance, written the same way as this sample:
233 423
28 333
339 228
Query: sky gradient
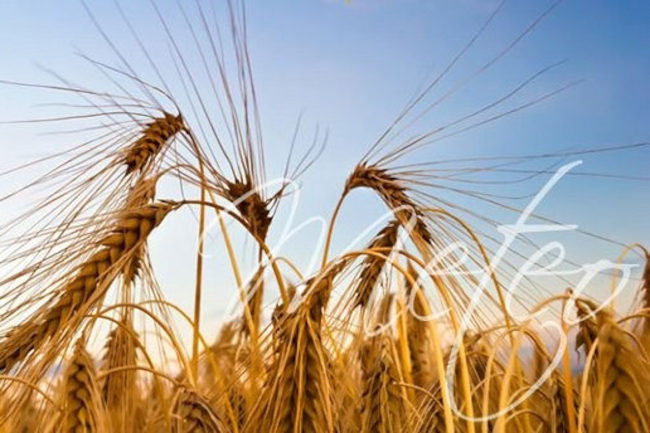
350 68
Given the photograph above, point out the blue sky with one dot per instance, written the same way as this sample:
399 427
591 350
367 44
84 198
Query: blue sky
350 68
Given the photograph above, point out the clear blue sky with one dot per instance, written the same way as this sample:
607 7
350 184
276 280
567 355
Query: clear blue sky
351 67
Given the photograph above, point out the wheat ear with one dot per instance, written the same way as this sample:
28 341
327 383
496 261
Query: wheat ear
119 390
253 209
372 265
298 395
394 193
418 336
195 415
382 399
86 289
620 379
82 410
151 141
141 195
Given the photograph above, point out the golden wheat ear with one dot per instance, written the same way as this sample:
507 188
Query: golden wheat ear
119 389
152 140
395 194
297 397
82 405
194 414
87 288
617 372
384 406
253 209
619 394
372 265
141 194
418 335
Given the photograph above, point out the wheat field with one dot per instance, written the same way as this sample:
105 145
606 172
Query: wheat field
398 334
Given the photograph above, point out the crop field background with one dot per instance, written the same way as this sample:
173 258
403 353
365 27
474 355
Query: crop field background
325 216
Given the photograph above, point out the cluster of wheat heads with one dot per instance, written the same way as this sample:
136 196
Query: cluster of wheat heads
377 339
